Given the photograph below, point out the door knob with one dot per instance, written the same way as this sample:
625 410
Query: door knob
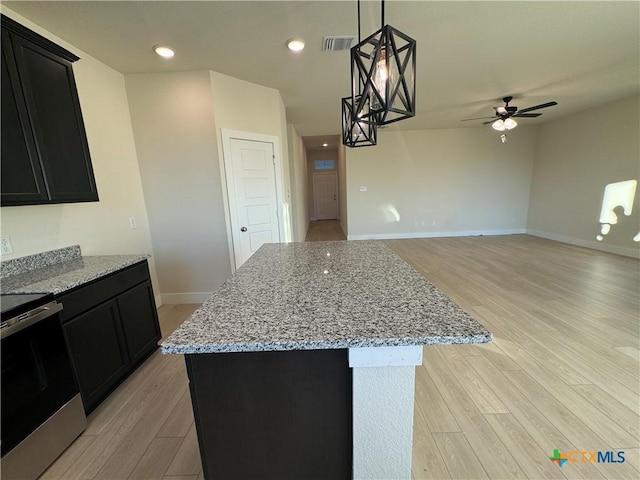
243 229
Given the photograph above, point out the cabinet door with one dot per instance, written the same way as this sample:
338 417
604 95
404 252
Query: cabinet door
139 320
21 175
98 352
49 89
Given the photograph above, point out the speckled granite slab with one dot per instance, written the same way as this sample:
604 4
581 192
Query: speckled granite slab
16 266
322 295
60 277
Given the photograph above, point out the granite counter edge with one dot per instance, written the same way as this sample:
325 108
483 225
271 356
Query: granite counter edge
64 287
168 348
103 273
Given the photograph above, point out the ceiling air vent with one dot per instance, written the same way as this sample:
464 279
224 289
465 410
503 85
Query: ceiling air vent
336 43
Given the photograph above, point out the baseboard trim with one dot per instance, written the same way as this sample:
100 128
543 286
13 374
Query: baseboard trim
592 244
189 297
461 233
158 300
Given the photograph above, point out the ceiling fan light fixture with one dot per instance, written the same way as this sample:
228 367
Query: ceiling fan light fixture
499 125
510 123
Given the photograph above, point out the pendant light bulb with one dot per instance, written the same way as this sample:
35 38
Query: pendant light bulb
380 77
383 73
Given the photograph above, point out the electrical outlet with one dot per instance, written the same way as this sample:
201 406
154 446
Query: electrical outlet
132 223
6 246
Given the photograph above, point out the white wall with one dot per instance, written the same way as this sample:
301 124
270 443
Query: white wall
252 108
299 186
177 118
464 180
100 228
174 128
577 156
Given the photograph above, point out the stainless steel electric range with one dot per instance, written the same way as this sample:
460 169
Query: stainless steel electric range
42 413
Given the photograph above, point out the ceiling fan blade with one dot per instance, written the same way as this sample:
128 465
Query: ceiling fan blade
479 118
529 115
490 121
544 105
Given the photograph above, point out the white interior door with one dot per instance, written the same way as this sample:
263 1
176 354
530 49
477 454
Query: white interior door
252 197
325 193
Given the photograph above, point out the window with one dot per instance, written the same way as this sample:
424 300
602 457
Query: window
324 165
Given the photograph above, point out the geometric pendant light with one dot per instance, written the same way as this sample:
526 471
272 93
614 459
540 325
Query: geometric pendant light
383 76
383 84
358 129
356 132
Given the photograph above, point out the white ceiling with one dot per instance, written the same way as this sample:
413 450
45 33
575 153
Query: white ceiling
469 54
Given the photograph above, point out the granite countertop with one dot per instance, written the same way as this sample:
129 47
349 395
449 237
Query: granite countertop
60 270
323 295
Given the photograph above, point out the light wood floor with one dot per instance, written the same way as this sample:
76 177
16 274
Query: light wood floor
562 373
324 230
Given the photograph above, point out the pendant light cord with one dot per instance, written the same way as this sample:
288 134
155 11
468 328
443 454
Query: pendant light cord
382 15
359 38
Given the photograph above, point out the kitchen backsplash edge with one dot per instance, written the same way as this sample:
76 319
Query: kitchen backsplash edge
19 265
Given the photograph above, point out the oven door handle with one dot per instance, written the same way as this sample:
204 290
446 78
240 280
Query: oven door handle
34 316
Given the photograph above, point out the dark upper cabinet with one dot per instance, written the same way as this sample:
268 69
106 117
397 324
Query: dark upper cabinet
22 179
45 155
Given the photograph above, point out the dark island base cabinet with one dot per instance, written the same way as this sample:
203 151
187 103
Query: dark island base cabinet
267 415
111 326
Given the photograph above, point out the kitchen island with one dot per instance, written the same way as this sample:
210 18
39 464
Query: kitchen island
302 365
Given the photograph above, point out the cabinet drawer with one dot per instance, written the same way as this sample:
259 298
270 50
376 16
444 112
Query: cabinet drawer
102 289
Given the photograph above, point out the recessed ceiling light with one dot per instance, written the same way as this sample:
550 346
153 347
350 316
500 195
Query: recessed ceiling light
325 144
163 51
295 44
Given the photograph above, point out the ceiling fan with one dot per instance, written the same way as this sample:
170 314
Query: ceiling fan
503 120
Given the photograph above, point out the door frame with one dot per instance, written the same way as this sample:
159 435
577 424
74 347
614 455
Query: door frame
228 187
314 175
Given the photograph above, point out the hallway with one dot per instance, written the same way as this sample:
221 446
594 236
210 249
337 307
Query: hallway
323 230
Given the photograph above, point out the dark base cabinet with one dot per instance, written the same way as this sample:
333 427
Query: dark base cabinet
273 415
111 326
97 350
